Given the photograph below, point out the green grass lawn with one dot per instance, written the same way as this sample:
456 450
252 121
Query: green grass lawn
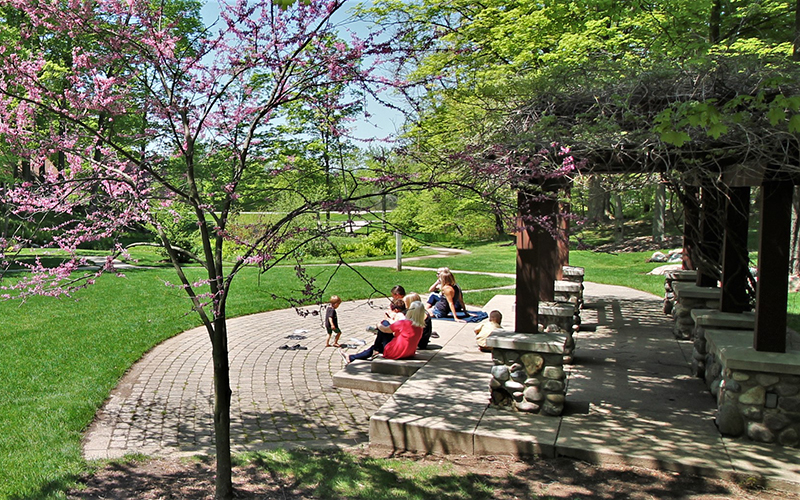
61 357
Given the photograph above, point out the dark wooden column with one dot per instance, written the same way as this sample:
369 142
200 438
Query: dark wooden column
691 223
710 231
563 234
735 261
527 306
537 257
773 266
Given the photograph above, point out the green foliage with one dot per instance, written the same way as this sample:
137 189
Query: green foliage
443 212
378 243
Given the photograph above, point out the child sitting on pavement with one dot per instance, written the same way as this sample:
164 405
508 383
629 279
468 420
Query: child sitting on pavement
486 328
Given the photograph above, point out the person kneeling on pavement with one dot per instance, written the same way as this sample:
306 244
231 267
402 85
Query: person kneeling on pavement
399 339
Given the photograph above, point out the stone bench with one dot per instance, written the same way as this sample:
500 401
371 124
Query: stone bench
559 317
705 319
574 274
670 277
381 374
528 373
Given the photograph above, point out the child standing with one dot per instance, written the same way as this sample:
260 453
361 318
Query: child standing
332 321
486 328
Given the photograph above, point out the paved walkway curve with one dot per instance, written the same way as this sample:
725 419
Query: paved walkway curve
164 404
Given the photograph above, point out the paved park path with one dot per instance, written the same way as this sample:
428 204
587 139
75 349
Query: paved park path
164 404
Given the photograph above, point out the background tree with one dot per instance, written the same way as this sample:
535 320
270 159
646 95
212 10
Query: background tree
652 84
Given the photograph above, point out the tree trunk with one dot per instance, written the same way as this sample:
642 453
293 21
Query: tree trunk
795 246
659 213
597 203
714 21
222 408
619 218
796 45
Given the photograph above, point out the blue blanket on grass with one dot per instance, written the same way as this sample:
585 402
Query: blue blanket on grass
474 317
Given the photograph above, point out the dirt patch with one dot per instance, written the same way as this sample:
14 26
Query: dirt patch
641 244
502 477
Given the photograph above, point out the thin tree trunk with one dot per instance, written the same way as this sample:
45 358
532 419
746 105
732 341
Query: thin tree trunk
714 21
597 199
796 232
659 213
619 218
796 45
222 409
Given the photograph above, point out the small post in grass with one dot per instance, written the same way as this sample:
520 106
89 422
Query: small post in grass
398 251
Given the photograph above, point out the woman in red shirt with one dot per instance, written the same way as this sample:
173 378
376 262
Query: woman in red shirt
399 339
407 333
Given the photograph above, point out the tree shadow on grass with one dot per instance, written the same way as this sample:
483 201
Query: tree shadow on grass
333 473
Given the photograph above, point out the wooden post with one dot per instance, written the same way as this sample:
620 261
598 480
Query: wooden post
526 318
735 261
398 251
691 216
711 231
562 241
773 266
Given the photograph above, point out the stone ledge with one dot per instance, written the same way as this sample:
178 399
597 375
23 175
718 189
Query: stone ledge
552 343
692 291
556 309
403 367
357 376
567 286
681 275
724 320
573 271
735 350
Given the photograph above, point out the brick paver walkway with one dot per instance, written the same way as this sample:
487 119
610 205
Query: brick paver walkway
280 397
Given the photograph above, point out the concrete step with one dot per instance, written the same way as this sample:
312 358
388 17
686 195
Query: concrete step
358 376
402 367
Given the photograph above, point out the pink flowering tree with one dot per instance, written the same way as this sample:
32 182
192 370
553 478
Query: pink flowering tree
130 113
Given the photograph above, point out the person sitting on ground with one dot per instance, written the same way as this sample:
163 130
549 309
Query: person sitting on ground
397 293
390 333
437 285
397 309
450 301
427 330
332 321
486 328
